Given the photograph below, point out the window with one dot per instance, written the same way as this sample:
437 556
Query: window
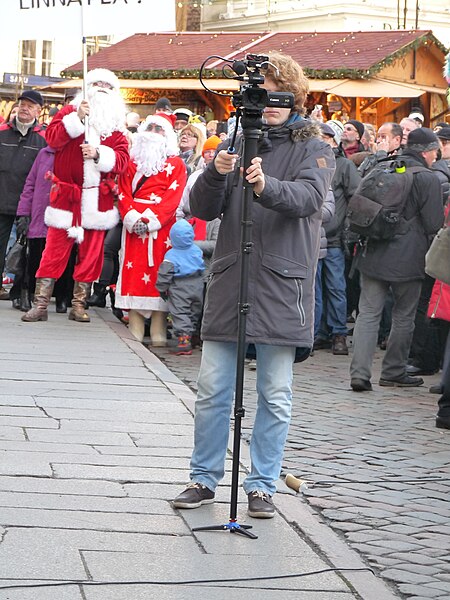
47 49
28 57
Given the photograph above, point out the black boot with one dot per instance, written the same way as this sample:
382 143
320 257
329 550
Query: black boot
98 296
61 305
25 304
117 312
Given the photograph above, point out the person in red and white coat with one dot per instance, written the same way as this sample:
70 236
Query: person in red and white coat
150 192
83 192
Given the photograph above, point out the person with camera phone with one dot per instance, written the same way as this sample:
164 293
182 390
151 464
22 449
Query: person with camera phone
291 175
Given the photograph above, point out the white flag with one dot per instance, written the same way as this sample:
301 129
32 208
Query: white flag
50 19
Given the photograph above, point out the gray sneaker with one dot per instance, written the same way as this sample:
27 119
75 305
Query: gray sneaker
260 505
194 496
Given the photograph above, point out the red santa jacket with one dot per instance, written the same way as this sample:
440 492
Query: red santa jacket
82 193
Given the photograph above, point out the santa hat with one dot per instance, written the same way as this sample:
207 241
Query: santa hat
102 75
171 118
164 121
211 143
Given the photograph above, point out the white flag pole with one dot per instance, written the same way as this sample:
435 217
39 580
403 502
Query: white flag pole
85 70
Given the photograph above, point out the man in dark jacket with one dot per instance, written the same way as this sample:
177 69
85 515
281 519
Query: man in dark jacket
20 141
331 297
291 175
397 263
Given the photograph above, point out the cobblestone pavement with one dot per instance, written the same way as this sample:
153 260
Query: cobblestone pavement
385 465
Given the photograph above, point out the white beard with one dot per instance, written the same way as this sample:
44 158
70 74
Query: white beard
107 111
149 152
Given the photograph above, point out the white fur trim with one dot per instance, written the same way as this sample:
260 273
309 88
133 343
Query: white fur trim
58 218
130 219
91 217
91 175
102 75
154 223
76 233
107 159
73 125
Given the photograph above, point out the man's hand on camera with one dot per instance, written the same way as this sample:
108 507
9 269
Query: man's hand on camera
255 175
225 162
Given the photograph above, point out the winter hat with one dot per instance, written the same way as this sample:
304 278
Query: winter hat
417 116
133 119
358 126
163 104
32 96
338 128
171 118
211 143
102 75
327 130
200 127
422 139
444 133
182 114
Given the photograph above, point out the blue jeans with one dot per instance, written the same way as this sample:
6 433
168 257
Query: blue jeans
331 298
213 407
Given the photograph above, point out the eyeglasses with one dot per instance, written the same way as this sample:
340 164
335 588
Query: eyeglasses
155 128
189 134
350 128
103 84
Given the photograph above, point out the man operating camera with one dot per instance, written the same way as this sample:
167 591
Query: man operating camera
291 175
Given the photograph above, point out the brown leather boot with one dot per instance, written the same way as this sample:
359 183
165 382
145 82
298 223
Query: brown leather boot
42 295
81 291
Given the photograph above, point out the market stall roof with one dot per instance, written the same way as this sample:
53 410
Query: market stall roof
327 55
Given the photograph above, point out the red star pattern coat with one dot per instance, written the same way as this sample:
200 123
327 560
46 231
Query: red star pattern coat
156 200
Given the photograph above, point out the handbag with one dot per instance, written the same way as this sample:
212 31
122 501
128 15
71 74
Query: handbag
16 257
437 259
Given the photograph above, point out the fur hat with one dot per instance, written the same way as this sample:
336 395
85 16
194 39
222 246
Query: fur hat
358 126
102 75
338 128
422 139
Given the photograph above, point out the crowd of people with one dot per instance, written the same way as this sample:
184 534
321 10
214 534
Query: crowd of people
147 209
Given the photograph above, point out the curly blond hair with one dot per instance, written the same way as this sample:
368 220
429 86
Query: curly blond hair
289 78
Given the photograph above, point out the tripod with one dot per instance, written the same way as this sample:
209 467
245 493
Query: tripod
251 126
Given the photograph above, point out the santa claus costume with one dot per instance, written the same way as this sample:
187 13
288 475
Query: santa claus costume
150 192
83 192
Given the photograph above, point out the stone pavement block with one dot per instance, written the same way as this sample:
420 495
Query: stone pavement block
32 422
113 473
20 411
91 520
162 441
85 503
38 593
85 369
407 576
12 433
154 391
206 592
419 591
59 486
59 449
32 465
144 451
168 411
56 377
92 437
61 407
9 400
119 567
170 430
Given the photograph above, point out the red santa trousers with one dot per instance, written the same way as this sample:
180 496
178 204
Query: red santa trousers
57 252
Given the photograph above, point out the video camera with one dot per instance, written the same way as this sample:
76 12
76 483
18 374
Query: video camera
250 96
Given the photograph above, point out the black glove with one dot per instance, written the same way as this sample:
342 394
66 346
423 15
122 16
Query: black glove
22 225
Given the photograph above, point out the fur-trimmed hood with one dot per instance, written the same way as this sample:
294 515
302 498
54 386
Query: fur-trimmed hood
304 130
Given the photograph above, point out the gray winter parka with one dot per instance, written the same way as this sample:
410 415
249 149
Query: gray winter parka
298 169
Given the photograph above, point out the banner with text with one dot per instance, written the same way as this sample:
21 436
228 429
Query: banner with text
51 19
